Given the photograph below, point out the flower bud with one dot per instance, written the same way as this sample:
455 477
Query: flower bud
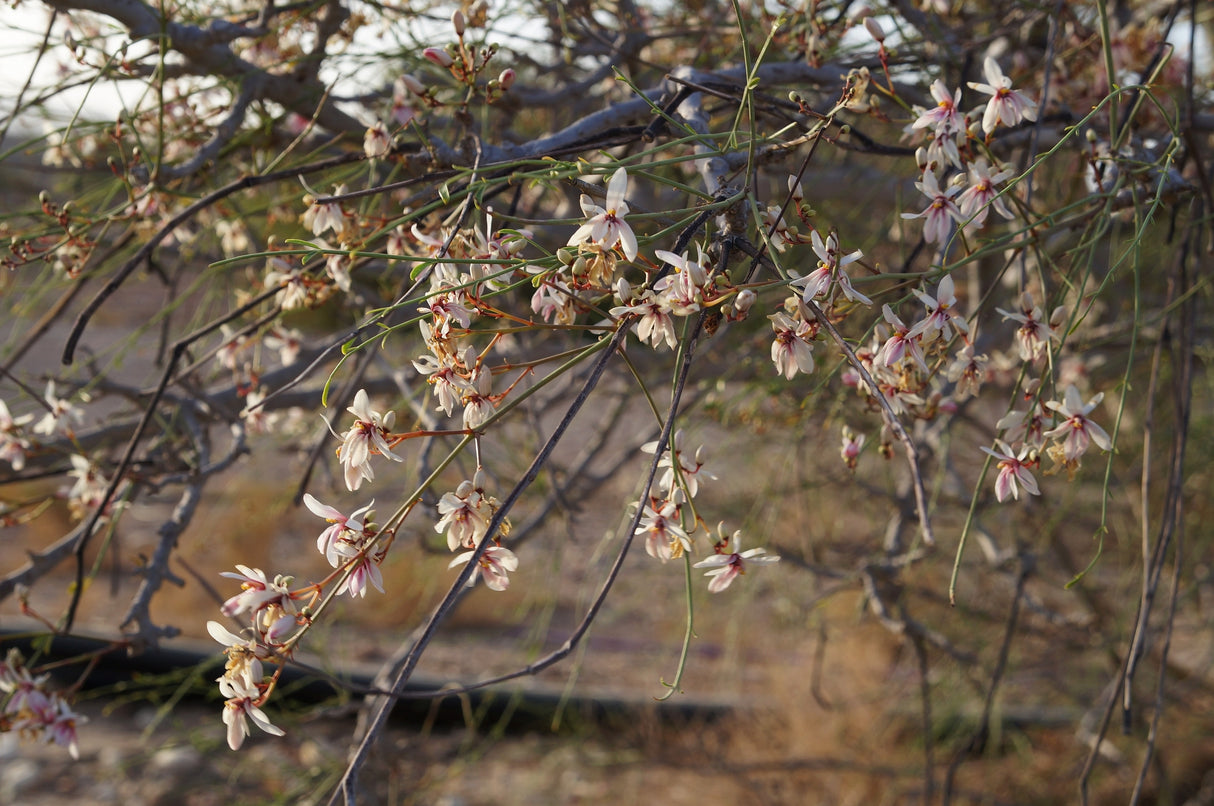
1058 317
411 84
457 22
874 29
506 78
438 56
623 291
745 299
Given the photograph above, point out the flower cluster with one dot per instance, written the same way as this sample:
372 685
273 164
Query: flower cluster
464 516
662 522
1061 430
32 709
272 614
951 139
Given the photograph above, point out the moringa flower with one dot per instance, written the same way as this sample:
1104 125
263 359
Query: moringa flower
606 226
1013 471
242 703
726 567
493 566
1006 106
1077 429
940 213
367 436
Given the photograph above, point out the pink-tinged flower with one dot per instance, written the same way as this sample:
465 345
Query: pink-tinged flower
664 537
365 571
447 306
941 312
1077 429
321 217
1034 335
981 194
792 349
944 117
554 301
257 592
1006 106
449 386
438 56
242 704
376 142
342 528
258 419
853 443
606 226
27 693
367 436
829 271
1013 471
464 516
726 567
683 290
61 725
494 567
901 344
941 211
654 324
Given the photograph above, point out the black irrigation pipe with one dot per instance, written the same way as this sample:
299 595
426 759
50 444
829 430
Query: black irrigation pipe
527 709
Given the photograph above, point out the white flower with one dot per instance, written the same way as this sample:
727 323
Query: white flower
941 312
12 445
242 703
376 142
664 537
1006 106
293 287
655 324
478 400
494 566
342 529
606 226
1076 427
830 270
321 217
726 567
368 435
944 117
60 416
462 517
981 194
244 654
257 591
